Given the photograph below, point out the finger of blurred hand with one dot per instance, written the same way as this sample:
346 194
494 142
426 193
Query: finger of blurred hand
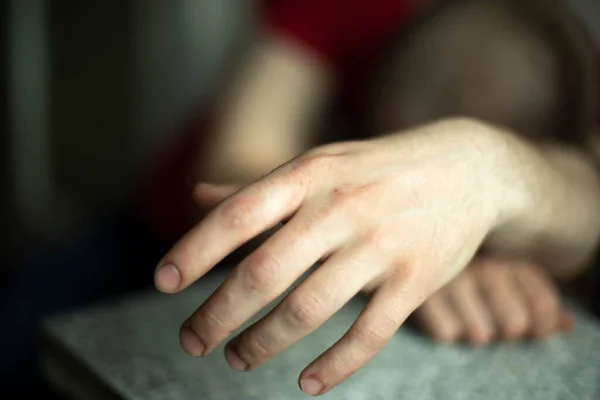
438 319
471 309
541 298
387 309
308 306
566 322
249 212
267 272
503 297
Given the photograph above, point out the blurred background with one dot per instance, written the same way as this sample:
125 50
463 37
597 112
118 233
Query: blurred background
91 90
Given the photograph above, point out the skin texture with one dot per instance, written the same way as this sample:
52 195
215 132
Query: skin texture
320 191
396 217
492 299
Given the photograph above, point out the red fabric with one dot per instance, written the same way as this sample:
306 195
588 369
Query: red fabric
337 30
346 34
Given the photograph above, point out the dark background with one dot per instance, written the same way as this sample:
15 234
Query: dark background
90 91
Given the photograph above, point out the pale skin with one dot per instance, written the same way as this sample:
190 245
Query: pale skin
397 217
494 298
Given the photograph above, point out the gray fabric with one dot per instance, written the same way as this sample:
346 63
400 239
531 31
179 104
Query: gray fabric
132 345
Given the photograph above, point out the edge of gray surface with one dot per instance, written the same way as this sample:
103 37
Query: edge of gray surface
131 344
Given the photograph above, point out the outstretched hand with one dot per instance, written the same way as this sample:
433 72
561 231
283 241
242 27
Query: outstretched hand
396 217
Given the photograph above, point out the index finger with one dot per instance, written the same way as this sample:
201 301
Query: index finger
249 212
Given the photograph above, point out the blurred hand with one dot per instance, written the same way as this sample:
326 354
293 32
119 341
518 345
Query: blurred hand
396 217
494 299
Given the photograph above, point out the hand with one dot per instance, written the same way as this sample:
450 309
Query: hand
494 298
396 217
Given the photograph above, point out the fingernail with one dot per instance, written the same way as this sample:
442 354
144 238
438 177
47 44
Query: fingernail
234 360
311 386
191 343
167 278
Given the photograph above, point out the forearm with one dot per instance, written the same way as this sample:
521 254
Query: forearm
268 115
554 206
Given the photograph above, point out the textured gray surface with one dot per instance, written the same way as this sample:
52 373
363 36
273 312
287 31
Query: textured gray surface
131 344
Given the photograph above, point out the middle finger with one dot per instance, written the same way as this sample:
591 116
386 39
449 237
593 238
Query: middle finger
261 277
504 299
321 295
471 308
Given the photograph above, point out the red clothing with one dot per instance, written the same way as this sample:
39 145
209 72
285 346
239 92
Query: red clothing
345 34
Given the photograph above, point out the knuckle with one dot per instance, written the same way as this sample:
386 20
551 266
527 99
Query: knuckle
355 200
413 281
377 239
515 326
313 161
479 334
514 329
255 349
372 338
407 273
303 312
342 366
211 318
211 328
306 163
327 212
262 271
375 336
239 212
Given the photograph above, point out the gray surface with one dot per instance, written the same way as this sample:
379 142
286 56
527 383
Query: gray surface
132 345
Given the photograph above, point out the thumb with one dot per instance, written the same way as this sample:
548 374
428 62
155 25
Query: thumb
209 195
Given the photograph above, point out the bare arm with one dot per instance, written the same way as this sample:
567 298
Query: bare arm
269 115
557 195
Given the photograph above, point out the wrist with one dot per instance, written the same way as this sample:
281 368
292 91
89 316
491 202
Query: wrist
544 201
512 168
527 195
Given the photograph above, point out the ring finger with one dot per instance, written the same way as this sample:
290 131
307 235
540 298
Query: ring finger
321 295
260 278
